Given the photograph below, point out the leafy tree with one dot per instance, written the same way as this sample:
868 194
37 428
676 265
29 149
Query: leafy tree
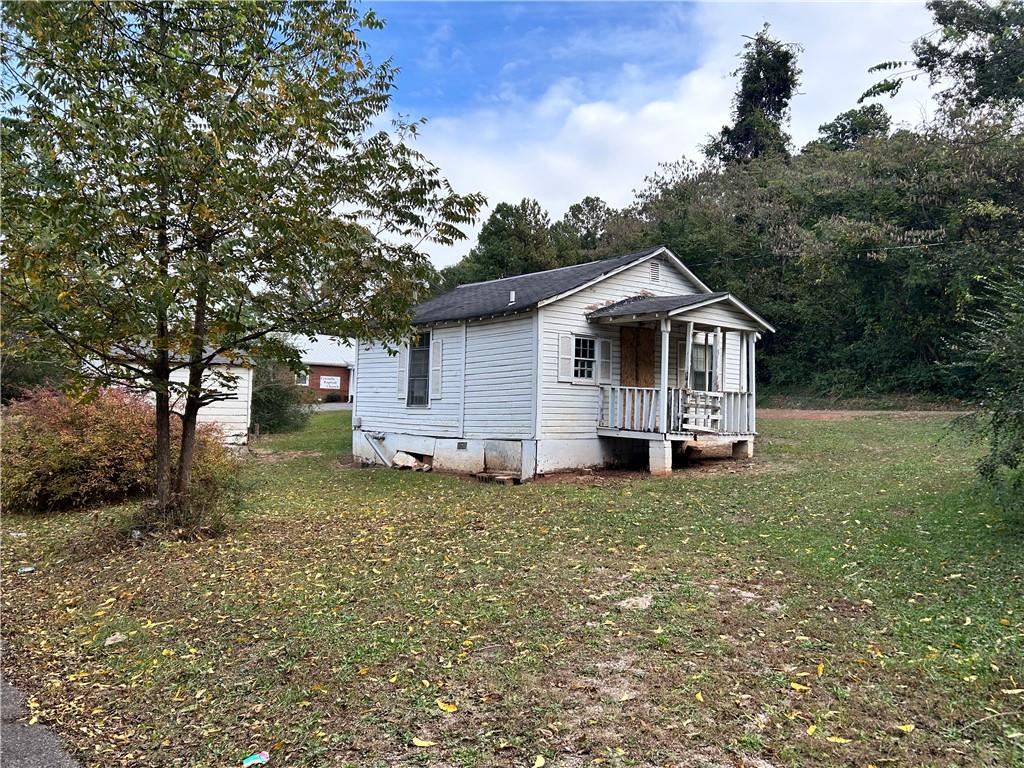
187 180
26 366
515 239
584 223
769 77
851 126
866 260
977 48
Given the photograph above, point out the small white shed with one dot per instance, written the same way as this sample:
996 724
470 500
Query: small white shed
564 369
233 413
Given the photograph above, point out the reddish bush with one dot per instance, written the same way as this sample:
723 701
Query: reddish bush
62 451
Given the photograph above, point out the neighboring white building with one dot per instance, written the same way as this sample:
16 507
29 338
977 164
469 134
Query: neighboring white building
568 368
231 415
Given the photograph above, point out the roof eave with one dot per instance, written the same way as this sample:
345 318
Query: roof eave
475 318
731 299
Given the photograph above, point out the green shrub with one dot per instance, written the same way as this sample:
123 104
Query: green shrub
63 452
278 405
993 350
332 397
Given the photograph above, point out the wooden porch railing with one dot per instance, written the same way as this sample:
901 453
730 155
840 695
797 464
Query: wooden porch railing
635 409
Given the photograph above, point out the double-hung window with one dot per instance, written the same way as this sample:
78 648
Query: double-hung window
302 379
584 358
419 370
702 367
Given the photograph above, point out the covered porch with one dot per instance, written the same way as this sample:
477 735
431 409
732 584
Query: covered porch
685 372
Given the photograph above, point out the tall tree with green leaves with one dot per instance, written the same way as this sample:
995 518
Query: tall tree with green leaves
976 53
584 223
185 180
514 239
769 77
851 126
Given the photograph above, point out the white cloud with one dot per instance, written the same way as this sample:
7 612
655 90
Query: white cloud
564 145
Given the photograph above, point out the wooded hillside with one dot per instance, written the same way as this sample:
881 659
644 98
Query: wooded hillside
868 248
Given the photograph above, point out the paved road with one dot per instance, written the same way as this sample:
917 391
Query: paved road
23 745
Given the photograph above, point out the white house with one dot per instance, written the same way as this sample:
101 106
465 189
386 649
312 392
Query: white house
233 413
573 367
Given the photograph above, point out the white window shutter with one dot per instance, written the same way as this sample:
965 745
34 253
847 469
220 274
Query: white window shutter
604 361
403 372
436 368
565 357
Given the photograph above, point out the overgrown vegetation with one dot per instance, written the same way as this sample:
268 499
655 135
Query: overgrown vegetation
802 611
278 405
869 250
69 451
995 346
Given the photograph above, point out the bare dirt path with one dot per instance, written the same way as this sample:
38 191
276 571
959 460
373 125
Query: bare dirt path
844 415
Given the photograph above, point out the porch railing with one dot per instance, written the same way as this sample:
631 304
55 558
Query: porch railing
635 409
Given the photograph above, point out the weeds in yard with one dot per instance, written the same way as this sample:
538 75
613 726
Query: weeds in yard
854 600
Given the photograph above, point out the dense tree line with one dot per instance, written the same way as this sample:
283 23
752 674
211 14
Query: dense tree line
867 248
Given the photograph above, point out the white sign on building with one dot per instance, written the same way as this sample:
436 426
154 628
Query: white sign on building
330 382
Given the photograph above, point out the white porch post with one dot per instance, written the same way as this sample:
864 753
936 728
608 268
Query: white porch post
752 387
718 380
666 327
686 383
744 341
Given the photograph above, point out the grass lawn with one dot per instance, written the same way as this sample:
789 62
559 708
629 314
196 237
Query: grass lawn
850 598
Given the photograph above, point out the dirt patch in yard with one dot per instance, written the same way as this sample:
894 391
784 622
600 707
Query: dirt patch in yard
842 415
265 454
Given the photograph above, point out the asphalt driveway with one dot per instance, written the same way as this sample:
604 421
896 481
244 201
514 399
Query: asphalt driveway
23 745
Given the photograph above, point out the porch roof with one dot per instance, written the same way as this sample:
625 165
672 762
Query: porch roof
652 307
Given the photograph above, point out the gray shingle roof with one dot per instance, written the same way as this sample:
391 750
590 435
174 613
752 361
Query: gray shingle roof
646 305
490 298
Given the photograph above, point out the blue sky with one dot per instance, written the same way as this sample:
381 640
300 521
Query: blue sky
456 56
561 100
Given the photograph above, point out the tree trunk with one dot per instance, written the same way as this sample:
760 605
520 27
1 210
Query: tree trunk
193 400
164 501
183 476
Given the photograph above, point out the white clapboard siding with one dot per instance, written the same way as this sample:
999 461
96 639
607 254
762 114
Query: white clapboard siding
231 415
569 410
723 314
380 410
500 360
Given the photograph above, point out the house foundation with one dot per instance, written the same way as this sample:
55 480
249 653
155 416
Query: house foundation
744 449
660 457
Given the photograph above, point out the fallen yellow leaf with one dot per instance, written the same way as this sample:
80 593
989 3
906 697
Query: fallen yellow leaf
906 728
821 669
799 687
538 761
700 697
838 740
446 706
811 729
418 742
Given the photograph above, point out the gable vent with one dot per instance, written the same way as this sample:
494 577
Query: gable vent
655 271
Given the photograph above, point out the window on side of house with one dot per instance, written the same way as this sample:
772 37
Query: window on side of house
419 370
701 367
584 358
302 379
